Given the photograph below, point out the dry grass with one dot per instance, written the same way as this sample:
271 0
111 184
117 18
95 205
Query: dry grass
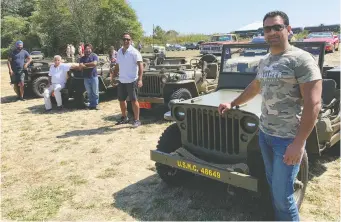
77 165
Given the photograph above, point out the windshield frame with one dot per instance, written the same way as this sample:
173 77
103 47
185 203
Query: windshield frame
217 38
237 80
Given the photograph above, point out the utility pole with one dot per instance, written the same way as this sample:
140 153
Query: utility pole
153 37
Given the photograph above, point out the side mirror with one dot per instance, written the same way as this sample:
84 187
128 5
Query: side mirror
335 36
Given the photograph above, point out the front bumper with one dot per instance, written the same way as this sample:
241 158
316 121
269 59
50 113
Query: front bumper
154 100
205 169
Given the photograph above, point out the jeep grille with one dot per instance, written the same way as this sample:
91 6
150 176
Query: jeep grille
215 48
152 86
206 129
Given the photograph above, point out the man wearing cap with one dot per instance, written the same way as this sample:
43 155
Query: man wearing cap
16 65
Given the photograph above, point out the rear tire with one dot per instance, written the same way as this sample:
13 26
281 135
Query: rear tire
170 141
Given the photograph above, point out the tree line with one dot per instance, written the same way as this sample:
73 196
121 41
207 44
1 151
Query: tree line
50 25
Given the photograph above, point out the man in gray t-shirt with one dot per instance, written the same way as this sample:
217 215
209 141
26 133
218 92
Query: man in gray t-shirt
289 81
280 76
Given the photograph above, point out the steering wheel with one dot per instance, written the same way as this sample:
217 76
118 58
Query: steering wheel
209 58
197 64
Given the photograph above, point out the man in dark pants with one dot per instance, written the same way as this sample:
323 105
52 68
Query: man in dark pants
88 63
130 68
287 78
16 65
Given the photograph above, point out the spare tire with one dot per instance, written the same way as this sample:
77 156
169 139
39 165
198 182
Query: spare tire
209 58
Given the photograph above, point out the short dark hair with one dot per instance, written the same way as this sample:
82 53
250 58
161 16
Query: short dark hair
88 45
277 13
126 33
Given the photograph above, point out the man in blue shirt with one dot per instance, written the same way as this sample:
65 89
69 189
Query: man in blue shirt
16 65
89 62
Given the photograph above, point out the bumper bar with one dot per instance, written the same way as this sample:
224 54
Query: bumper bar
223 175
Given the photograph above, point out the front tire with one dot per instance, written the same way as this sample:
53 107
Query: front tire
39 85
170 141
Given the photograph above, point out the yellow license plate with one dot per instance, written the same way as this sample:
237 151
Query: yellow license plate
197 169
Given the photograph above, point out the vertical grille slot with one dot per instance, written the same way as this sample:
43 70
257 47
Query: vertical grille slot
211 131
229 135
195 128
200 128
236 135
205 127
190 125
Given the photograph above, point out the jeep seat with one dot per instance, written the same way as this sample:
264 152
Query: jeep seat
213 73
328 91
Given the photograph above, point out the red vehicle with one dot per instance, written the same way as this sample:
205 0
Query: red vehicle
332 41
215 46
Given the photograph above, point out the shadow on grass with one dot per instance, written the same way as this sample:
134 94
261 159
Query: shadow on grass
28 95
200 199
88 132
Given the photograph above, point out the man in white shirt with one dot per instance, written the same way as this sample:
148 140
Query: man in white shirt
129 65
57 80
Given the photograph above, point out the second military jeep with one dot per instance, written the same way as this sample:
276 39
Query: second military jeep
225 147
173 79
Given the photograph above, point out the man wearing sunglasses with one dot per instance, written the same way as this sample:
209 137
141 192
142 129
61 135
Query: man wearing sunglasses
130 68
288 79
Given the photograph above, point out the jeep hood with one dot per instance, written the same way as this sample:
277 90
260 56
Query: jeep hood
225 96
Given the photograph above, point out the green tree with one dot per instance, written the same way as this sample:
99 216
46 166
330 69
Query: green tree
114 18
159 33
99 22
12 29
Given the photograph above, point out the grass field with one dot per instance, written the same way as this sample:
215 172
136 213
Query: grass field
77 165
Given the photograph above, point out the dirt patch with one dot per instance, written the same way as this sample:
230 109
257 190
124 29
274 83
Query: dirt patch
77 165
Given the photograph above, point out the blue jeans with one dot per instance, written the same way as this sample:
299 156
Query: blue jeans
280 176
91 86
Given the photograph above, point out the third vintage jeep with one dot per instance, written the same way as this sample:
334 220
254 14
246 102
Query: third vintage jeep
225 147
173 79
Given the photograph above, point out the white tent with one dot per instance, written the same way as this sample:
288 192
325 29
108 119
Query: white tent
252 26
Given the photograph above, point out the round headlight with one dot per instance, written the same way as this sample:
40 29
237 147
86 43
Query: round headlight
179 113
249 124
164 79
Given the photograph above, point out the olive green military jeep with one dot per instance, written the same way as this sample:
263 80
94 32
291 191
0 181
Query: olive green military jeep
175 79
225 147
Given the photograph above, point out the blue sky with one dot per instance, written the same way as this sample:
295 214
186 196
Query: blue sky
205 16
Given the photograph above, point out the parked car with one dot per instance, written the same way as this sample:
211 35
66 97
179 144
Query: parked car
332 41
176 47
37 55
153 49
192 46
